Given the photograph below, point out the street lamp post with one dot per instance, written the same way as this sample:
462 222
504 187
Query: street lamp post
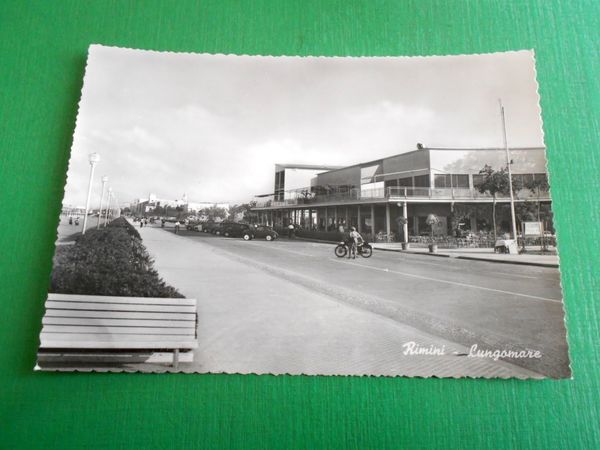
93 159
508 163
107 206
104 180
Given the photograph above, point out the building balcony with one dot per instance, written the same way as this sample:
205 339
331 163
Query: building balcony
395 194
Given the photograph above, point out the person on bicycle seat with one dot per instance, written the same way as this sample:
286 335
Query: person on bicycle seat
354 239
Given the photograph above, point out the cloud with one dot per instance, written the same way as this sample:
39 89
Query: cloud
214 126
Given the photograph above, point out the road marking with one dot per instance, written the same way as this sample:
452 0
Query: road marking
455 283
277 247
459 269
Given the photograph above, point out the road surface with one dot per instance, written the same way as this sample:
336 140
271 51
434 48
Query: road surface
293 307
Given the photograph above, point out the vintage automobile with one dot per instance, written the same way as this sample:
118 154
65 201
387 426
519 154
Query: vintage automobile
232 229
265 232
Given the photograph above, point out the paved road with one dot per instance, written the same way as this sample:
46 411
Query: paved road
323 313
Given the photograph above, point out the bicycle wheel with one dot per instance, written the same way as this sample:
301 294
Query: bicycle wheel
366 251
341 251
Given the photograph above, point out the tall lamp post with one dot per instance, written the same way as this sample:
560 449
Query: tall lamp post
508 163
104 180
94 158
107 206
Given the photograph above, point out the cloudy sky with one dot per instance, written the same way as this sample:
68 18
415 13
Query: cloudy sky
213 126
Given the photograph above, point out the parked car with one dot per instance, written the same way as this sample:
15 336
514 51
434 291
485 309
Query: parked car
232 229
265 232
207 227
216 228
193 226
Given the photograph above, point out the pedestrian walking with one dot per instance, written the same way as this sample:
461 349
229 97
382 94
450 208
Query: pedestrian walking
177 225
290 231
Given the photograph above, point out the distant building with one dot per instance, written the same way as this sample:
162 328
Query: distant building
377 195
149 204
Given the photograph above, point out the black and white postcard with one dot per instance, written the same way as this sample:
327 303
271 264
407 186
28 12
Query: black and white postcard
386 216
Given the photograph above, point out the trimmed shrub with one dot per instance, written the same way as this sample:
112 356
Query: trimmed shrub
109 261
121 222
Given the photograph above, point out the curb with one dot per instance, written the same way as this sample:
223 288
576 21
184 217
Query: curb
397 250
471 258
440 255
522 263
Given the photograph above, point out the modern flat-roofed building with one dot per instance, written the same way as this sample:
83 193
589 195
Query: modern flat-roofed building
376 196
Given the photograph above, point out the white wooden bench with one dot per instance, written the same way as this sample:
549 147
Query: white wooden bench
114 324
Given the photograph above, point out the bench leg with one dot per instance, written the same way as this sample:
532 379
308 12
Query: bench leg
176 358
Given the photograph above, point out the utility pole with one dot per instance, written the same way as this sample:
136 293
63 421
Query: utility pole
104 180
508 164
93 158
108 206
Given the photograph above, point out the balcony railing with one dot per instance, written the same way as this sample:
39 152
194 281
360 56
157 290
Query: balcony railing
399 193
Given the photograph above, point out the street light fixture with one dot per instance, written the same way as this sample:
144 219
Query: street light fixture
104 180
94 158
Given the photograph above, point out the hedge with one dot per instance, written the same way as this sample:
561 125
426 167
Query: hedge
108 261
121 222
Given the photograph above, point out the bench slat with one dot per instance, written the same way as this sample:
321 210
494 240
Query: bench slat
66 343
127 300
118 330
100 322
119 315
90 306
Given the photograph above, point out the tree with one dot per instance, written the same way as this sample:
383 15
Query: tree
494 182
214 212
524 212
460 214
537 186
245 209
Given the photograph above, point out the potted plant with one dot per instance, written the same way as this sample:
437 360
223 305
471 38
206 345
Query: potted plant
432 220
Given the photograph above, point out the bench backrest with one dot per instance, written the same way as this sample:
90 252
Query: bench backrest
104 322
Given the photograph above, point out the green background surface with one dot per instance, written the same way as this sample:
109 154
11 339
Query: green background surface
42 55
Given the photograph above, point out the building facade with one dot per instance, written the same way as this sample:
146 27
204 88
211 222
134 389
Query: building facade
393 196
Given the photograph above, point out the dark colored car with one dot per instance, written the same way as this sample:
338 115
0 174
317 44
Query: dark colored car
217 228
264 232
209 226
231 229
193 226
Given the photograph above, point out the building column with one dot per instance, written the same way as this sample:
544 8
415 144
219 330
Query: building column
335 217
346 219
359 227
326 218
388 229
405 226
416 225
373 222
310 222
474 221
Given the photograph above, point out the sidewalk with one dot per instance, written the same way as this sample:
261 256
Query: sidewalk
479 254
251 321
